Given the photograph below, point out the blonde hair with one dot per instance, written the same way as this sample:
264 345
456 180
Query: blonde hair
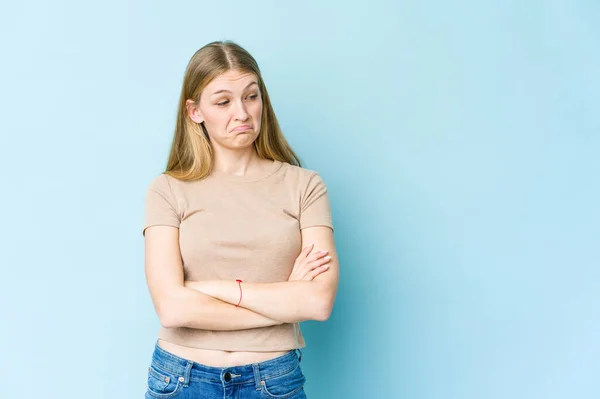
191 156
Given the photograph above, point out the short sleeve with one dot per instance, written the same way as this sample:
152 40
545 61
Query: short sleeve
315 208
160 204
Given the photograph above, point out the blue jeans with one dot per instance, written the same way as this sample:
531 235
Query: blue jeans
170 376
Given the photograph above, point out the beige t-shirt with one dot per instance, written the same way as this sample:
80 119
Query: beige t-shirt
240 227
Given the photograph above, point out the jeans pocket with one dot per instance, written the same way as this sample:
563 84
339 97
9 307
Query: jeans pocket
162 384
284 386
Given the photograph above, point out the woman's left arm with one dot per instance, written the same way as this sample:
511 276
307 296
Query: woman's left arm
289 301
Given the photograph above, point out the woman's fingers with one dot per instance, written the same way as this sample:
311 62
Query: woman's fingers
314 273
320 262
316 255
317 263
309 265
306 251
303 255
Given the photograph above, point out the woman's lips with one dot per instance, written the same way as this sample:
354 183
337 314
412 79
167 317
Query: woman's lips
241 128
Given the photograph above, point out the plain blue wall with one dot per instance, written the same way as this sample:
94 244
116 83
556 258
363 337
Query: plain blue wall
460 142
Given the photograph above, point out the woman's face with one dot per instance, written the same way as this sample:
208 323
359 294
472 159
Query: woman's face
230 107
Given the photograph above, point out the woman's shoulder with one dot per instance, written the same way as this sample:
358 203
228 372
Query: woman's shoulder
159 181
299 171
166 184
304 177
163 179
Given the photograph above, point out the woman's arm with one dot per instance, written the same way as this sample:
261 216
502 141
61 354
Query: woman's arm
289 301
197 310
179 306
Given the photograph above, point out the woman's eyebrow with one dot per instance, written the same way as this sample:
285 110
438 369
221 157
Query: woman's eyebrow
229 91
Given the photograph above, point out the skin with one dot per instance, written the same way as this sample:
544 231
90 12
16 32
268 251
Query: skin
229 101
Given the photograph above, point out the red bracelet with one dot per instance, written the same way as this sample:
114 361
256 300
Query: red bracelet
240 284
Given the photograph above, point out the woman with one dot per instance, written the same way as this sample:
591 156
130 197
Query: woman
239 242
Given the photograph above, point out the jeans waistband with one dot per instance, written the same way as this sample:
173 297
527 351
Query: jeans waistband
254 372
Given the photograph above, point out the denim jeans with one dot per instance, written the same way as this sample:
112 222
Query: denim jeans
170 376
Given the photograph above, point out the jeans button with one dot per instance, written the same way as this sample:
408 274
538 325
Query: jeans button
227 376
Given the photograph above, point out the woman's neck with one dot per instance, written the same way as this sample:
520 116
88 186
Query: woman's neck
239 163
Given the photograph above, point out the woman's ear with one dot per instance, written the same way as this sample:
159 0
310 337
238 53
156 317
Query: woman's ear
194 111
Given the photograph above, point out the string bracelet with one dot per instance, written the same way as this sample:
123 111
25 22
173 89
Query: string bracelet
240 284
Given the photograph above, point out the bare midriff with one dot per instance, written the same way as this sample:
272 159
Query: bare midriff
218 358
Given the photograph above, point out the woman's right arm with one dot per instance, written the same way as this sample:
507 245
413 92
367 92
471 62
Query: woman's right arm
179 306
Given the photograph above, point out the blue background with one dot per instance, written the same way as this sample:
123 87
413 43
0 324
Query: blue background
459 140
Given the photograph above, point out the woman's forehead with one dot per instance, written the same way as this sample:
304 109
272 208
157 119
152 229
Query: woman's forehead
230 81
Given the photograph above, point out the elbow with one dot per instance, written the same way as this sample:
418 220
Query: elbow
168 318
169 322
322 316
324 308
167 310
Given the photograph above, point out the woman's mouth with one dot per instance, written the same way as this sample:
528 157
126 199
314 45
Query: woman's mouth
242 128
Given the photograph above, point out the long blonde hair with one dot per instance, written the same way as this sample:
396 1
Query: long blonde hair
191 156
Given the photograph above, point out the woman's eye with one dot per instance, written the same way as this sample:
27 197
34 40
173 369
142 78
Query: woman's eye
224 103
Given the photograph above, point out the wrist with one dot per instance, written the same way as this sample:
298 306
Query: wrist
225 290
239 283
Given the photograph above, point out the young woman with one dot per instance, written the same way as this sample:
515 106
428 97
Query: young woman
239 242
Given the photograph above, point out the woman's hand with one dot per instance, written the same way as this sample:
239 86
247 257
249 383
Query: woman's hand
308 266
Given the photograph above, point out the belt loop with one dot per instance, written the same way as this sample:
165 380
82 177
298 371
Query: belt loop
257 380
188 372
300 355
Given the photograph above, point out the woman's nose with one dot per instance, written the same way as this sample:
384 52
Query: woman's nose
240 111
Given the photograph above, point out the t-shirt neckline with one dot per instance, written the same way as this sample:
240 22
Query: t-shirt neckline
268 171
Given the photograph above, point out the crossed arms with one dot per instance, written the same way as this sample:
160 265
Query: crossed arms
308 295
